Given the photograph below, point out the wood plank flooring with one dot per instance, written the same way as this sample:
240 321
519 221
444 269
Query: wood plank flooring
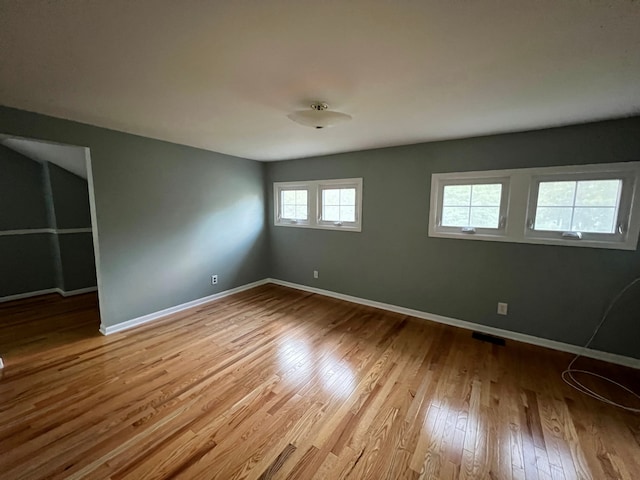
277 383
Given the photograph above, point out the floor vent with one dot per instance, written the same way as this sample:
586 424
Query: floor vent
488 338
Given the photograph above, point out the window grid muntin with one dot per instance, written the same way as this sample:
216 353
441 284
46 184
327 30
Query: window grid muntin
521 197
339 205
466 179
314 187
295 204
470 206
573 207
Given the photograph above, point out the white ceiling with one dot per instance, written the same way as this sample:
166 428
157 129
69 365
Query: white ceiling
224 75
68 157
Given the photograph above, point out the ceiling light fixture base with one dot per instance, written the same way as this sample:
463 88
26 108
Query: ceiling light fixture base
319 116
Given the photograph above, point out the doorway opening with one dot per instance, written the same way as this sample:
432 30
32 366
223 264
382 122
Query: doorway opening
49 250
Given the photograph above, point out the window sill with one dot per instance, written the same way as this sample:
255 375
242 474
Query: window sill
343 228
611 245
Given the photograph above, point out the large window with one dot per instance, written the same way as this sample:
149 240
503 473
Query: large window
588 205
329 204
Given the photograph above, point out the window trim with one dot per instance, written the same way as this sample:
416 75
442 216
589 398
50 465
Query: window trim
314 203
522 200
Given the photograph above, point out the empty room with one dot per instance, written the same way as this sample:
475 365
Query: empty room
330 239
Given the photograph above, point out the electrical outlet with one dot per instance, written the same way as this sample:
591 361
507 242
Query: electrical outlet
502 308
315 274
214 279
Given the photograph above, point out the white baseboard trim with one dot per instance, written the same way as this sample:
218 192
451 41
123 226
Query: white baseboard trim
26 231
47 291
79 291
20 296
65 231
109 329
39 231
520 337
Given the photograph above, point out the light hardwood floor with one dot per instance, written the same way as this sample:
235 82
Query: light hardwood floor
278 383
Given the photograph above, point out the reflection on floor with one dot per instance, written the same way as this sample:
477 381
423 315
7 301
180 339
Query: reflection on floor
277 383
38 324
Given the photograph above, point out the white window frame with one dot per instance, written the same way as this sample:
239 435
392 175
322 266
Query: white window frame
355 183
314 204
278 195
621 222
521 203
464 179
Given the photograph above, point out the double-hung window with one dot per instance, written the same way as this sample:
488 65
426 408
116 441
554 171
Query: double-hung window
585 205
326 204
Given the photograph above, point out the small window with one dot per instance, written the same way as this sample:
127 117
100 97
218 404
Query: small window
294 204
586 206
591 208
472 205
327 204
339 203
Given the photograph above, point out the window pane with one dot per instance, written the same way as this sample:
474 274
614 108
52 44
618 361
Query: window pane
598 193
331 214
486 195
301 197
553 218
338 204
347 196
596 220
485 217
556 194
288 211
455 216
289 196
456 195
331 196
347 214
301 212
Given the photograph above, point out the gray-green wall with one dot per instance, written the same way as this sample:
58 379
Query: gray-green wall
22 204
26 264
168 216
26 261
73 252
558 293
43 196
70 197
